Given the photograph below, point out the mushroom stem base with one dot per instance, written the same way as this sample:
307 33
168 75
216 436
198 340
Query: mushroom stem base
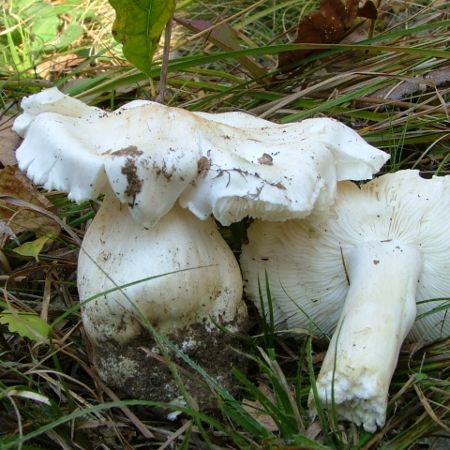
138 369
379 311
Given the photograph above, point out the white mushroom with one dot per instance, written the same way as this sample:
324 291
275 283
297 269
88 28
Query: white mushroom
366 272
184 306
147 158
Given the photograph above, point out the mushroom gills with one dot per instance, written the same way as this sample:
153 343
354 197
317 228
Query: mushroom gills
359 274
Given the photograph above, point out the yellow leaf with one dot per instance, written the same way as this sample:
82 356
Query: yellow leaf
32 248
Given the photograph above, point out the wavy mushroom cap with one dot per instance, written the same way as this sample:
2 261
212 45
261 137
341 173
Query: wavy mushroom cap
305 259
231 165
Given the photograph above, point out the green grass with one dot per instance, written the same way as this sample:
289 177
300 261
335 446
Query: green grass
50 396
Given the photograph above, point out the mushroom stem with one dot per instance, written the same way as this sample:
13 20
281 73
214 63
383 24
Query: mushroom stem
378 313
203 288
118 251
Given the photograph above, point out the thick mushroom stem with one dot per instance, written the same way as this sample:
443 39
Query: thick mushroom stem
204 287
379 311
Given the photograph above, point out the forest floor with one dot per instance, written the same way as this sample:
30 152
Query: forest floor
388 78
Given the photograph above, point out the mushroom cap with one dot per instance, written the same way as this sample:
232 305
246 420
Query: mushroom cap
129 149
231 165
276 172
305 259
51 100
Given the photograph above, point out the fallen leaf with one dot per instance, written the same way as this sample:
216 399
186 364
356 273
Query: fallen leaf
32 248
255 409
51 69
28 325
327 25
9 141
6 233
314 429
14 183
411 87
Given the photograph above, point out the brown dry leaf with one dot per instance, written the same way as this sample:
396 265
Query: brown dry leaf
6 233
436 79
314 430
53 68
9 141
327 25
13 183
255 409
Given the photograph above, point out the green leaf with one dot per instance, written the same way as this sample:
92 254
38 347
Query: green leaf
72 32
28 325
32 248
45 25
138 27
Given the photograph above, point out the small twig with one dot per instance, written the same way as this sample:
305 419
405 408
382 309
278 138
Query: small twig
127 411
165 63
174 436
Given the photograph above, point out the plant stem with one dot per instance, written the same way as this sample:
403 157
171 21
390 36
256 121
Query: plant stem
165 63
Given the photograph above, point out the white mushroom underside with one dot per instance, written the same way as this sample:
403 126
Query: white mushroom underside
304 284
310 264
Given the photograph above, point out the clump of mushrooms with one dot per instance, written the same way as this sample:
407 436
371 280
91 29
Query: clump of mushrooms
164 171
366 273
